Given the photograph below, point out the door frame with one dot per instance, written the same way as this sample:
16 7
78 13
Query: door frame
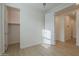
2 28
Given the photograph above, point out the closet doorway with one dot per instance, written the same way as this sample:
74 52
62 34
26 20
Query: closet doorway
12 28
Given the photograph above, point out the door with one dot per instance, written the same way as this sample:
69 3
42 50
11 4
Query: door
4 27
2 31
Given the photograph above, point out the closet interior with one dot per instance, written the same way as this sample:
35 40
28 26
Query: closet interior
13 20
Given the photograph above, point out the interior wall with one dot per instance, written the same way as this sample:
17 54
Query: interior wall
59 28
13 25
14 33
77 27
32 24
62 29
13 15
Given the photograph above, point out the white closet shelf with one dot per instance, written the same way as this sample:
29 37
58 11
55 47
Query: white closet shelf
14 23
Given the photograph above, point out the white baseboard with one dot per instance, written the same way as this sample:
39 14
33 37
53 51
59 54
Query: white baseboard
30 45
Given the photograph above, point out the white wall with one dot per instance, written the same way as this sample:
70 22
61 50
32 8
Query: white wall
49 29
13 33
31 26
59 28
13 15
62 29
77 28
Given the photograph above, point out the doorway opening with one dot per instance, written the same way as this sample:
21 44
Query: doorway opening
12 29
65 27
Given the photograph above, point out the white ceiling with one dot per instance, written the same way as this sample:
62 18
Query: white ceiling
38 6
41 7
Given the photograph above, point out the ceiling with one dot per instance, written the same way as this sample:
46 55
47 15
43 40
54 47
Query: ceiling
38 6
41 7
